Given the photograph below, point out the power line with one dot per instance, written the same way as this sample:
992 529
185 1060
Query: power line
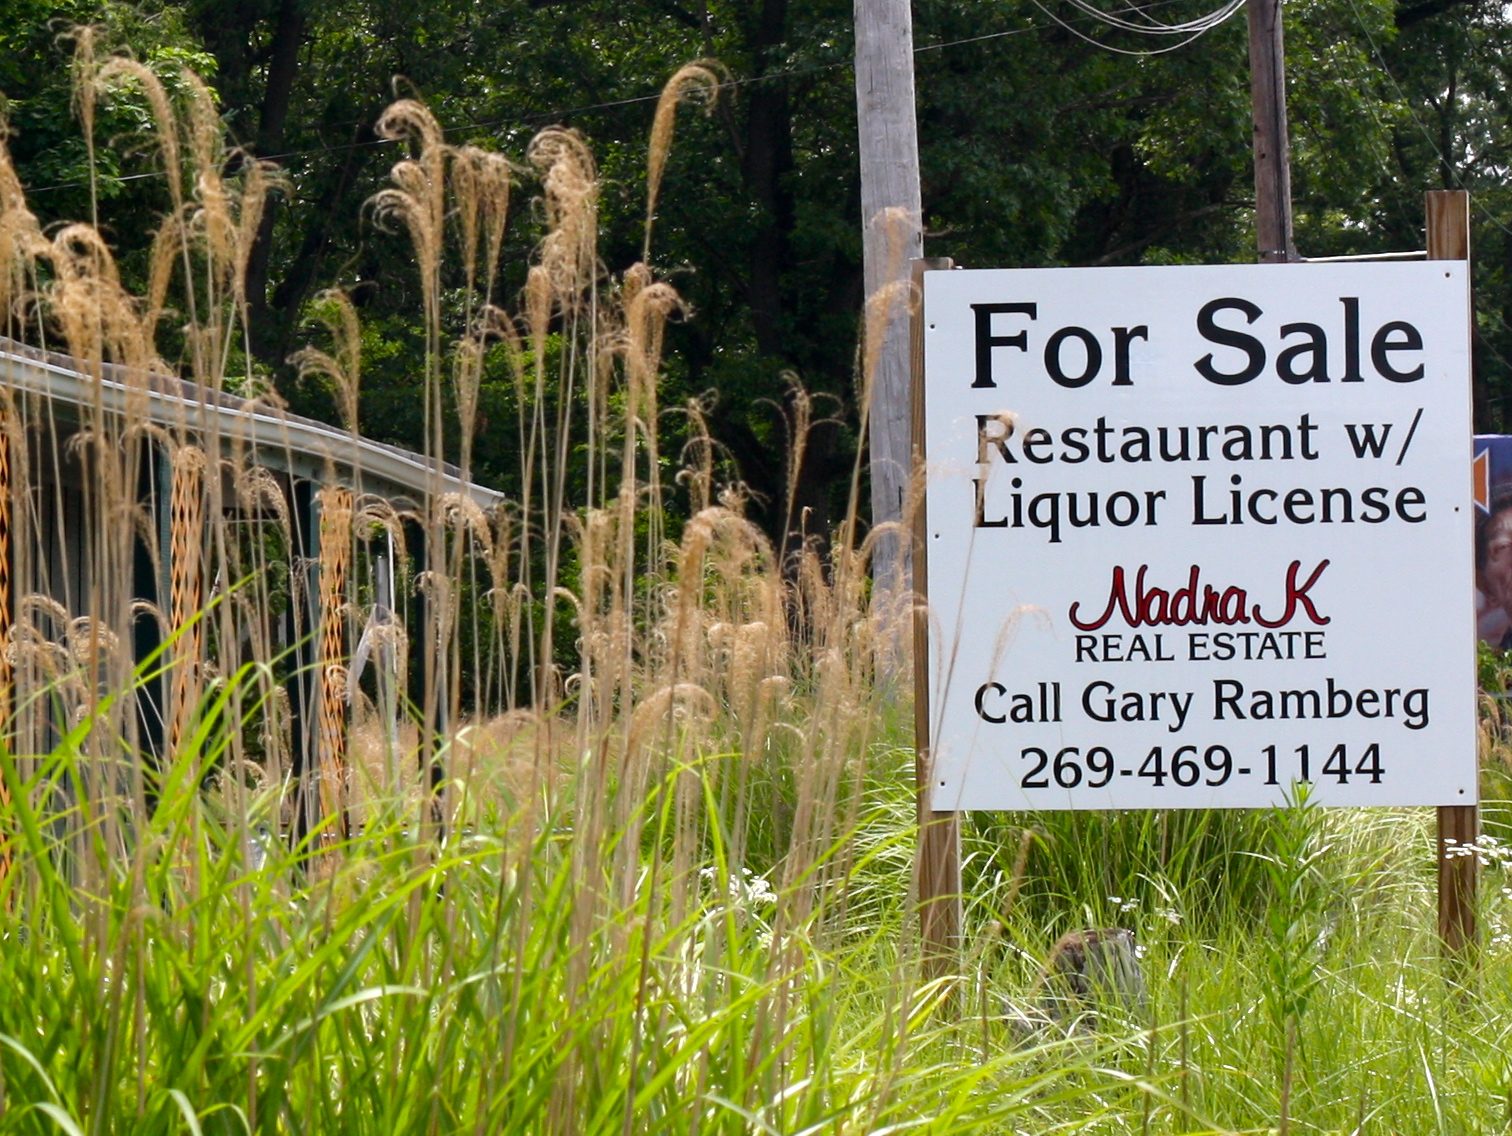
1228 11
1152 6
1147 25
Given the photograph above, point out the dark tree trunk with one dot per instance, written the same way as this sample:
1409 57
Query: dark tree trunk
767 166
283 65
768 161
299 277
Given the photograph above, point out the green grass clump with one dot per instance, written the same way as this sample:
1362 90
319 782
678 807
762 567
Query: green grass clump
505 979
615 834
533 974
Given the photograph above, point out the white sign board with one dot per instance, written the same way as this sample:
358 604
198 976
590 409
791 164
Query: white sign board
1196 534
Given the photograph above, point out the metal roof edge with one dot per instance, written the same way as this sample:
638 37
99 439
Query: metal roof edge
258 425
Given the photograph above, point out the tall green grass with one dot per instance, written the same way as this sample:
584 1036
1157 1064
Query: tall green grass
637 854
506 980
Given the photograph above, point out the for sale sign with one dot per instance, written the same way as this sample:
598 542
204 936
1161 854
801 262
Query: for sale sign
1197 534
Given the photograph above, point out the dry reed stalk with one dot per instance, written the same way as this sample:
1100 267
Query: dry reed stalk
569 183
216 227
343 369
186 589
21 242
335 505
697 670
469 357
481 181
7 677
699 80
417 202
93 79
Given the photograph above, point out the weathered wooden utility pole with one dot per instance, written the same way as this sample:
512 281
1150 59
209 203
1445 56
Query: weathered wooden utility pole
937 874
1273 212
892 238
1448 227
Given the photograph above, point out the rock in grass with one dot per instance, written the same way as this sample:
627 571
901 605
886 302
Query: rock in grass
1085 974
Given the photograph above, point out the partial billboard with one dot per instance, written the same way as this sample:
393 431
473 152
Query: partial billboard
1491 476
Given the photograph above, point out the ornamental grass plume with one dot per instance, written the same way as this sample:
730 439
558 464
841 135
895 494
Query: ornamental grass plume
402 815
700 80
343 370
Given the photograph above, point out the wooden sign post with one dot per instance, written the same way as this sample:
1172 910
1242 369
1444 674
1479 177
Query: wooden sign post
1448 224
1165 510
938 868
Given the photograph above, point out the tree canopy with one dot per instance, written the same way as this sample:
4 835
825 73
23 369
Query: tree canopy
1046 138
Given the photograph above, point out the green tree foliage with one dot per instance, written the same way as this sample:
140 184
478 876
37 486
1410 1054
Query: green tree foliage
37 109
1038 147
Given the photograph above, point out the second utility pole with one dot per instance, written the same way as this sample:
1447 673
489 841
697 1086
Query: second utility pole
1273 215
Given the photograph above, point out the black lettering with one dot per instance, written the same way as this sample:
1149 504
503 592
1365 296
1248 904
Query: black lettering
982 522
1373 507
1383 344
1298 500
1053 357
986 436
1315 350
1412 495
1208 328
996 688
1122 337
1254 506
1036 440
986 341
1226 695
1074 439
1351 340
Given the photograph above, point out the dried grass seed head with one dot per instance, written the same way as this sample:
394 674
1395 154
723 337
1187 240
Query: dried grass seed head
259 178
410 120
698 81
257 490
569 183
480 181
334 308
647 309
408 206
207 155
21 238
120 71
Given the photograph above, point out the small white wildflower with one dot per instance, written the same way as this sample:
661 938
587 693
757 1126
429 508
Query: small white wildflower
1489 852
759 890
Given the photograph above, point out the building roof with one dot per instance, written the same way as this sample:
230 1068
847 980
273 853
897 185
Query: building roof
280 440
